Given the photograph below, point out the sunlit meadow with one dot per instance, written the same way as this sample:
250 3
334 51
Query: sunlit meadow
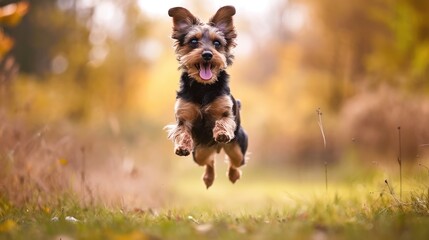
335 100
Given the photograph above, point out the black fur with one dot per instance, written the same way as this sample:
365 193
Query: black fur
204 94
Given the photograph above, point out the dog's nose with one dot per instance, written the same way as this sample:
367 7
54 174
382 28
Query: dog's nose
207 55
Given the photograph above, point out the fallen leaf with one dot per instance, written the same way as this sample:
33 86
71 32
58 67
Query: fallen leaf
71 219
63 161
134 235
192 219
6 43
8 226
204 228
12 14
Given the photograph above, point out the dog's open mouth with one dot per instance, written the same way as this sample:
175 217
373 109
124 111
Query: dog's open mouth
205 71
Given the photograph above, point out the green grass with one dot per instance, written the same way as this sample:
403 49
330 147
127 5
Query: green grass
257 207
339 218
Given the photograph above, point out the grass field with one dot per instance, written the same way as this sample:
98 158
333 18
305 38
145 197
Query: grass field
260 206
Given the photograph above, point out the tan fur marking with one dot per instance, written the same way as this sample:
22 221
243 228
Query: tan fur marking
209 175
197 33
234 154
186 111
215 34
204 155
219 107
235 157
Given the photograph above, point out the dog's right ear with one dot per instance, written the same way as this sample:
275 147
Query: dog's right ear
182 20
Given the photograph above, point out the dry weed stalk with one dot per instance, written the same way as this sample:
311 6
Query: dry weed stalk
319 122
392 193
424 166
400 162
82 174
421 164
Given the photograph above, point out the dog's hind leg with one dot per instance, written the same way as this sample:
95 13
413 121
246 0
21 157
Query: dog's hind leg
236 152
204 156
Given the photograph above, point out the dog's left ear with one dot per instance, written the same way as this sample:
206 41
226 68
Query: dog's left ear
223 21
182 21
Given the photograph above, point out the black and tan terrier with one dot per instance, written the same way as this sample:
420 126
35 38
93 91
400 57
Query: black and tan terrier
207 115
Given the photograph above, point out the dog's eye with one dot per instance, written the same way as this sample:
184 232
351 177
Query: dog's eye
216 43
194 42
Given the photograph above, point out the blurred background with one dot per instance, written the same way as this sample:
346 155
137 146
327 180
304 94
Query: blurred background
86 87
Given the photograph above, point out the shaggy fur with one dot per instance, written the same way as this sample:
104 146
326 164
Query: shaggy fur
207 115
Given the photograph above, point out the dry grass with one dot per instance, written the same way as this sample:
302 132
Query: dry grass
40 164
32 163
372 118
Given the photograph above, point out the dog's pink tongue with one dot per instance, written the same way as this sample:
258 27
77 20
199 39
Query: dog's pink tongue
205 71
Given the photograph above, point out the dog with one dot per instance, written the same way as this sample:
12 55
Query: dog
207 115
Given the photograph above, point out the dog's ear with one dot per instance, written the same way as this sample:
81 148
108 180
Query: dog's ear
223 21
182 20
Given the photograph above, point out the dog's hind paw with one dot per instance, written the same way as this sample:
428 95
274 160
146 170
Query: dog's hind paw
209 176
208 181
234 174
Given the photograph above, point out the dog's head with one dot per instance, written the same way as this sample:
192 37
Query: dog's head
203 49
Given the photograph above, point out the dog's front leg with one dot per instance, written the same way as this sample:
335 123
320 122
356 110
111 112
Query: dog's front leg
224 125
186 113
183 143
223 130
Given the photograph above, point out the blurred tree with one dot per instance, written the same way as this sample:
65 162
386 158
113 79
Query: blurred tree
401 51
44 32
383 41
342 34
10 15
90 47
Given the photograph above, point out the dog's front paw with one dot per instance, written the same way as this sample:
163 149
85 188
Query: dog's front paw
181 151
184 146
223 132
222 138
